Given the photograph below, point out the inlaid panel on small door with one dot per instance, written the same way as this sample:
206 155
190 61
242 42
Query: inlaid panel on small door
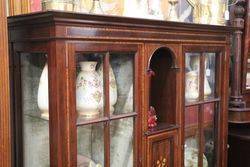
161 149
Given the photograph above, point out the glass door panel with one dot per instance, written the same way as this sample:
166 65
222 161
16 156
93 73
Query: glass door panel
121 144
35 109
191 153
90 145
105 133
121 80
209 133
200 124
192 77
209 75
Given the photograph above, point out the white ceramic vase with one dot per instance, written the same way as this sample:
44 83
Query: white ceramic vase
112 88
192 86
42 95
207 88
88 90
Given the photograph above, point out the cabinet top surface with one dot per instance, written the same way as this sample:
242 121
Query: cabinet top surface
51 16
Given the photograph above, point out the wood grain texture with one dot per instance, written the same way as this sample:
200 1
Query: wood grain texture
18 7
5 136
239 144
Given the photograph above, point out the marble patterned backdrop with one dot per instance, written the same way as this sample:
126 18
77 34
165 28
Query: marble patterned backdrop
35 129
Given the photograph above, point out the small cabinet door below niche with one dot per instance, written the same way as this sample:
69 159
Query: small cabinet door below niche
162 149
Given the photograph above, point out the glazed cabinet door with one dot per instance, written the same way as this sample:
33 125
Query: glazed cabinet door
203 106
30 101
162 149
106 103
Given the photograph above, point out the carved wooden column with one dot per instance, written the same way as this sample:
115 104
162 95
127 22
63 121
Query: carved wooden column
236 99
238 112
5 137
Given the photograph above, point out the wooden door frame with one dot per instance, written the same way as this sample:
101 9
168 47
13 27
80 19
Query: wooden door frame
5 126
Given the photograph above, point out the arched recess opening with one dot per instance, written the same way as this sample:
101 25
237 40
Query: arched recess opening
162 97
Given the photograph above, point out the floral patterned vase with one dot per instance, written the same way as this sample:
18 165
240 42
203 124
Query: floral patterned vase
88 90
112 88
192 86
42 95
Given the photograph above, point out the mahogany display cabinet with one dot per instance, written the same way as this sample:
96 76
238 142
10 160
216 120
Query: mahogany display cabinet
90 90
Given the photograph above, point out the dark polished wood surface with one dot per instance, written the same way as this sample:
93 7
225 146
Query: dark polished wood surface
5 123
62 35
239 145
239 115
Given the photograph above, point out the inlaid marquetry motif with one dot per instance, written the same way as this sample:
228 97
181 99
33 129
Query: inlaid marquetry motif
162 162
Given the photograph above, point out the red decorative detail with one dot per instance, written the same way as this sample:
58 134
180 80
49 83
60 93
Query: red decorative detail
150 72
152 119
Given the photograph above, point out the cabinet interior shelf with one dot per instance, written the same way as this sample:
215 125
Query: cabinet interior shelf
161 127
188 104
81 122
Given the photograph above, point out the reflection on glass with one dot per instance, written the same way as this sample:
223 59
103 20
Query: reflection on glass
35 127
191 153
89 86
209 75
121 83
192 76
121 143
90 145
209 133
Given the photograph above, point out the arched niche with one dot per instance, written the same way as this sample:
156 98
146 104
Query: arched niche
162 72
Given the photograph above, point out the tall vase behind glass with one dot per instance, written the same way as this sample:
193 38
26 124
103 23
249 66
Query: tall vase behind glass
42 95
88 91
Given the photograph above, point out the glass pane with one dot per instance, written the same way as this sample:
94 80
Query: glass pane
191 136
209 75
89 86
209 134
90 145
121 74
121 144
192 76
34 87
